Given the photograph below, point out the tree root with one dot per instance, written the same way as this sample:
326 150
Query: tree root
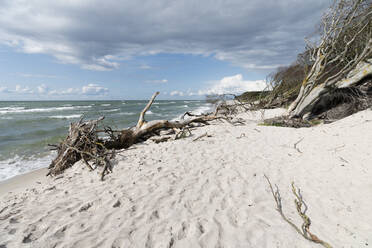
301 208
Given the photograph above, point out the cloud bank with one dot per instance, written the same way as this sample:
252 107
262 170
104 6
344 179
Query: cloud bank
87 90
227 85
233 85
252 34
93 90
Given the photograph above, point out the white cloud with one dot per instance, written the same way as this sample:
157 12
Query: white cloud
4 90
19 89
145 67
94 89
23 90
159 81
69 91
90 89
189 92
262 67
176 93
37 75
255 35
233 85
102 64
42 89
54 92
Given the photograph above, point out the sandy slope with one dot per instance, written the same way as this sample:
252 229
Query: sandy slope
208 193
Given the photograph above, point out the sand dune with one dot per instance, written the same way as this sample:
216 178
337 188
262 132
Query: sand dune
207 193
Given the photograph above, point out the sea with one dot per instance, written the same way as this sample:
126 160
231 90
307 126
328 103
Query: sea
27 127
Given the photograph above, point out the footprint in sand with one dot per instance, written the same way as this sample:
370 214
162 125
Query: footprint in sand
183 232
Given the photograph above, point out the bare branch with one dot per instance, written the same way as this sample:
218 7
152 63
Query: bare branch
141 119
202 136
301 208
295 145
345 43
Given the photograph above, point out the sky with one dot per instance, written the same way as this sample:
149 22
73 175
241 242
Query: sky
126 50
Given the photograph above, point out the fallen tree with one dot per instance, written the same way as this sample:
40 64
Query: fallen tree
83 141
343 56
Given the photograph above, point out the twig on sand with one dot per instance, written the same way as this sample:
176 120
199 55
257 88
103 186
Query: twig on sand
301 207
295 145
343 160
202 136
2 210
336 148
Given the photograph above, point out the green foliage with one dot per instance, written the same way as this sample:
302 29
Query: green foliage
315 122
272 124
252 96
285 84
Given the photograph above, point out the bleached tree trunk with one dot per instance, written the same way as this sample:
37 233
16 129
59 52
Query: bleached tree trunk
347 29
308 96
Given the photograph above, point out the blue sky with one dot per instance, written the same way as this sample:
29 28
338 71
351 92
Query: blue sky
129 49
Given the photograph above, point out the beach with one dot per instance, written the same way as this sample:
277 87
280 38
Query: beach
186 124
209 192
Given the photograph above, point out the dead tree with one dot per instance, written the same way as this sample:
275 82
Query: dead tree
84 143
343 56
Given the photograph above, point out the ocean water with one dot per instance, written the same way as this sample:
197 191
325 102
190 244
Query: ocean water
26 128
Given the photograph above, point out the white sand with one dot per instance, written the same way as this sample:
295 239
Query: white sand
207 193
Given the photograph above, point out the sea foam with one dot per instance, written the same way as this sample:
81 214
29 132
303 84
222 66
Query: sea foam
17 110
17 165
64 116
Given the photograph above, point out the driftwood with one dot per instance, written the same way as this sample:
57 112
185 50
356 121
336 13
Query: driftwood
301 208
84 143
